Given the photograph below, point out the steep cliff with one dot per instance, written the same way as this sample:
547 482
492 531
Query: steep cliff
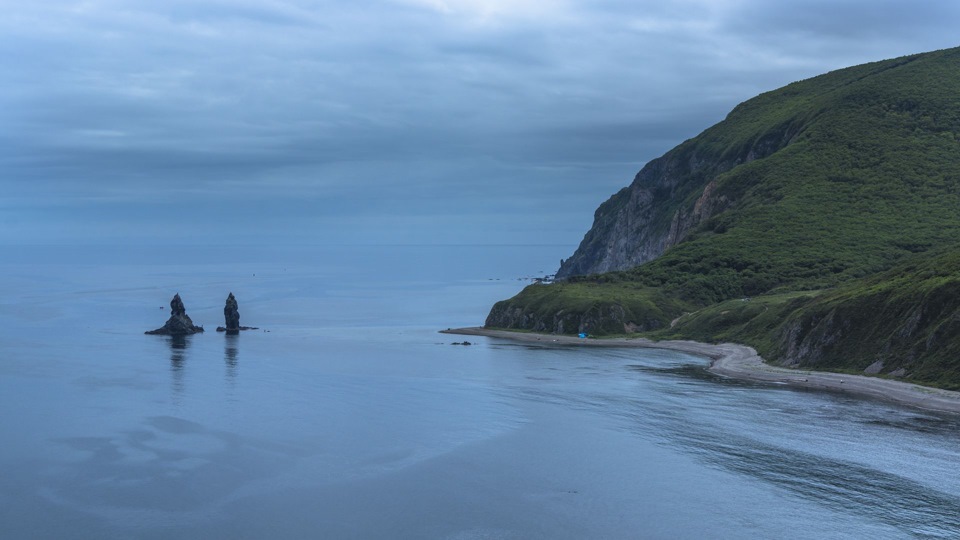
675 193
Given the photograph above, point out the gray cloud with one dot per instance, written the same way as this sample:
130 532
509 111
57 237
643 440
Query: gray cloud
116 113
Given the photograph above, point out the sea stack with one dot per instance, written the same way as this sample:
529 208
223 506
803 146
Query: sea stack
231 317
179 323
231 314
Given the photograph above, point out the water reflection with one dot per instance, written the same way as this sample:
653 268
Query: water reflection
812 469
886 497
230 354
178 355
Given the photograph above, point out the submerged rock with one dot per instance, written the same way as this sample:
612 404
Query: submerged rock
179 323
231 317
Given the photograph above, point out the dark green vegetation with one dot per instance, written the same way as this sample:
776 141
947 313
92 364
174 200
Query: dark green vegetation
834 240
905 320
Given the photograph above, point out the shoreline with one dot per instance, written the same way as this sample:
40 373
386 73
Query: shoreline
742 362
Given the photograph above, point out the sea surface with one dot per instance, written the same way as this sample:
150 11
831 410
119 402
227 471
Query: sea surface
346 415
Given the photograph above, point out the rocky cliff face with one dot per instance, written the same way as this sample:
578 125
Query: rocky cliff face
636 225
668 199
908 332
599 319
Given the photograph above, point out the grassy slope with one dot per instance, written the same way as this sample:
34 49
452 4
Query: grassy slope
871 179
906 317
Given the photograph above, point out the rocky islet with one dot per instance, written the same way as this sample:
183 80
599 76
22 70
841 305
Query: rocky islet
180 324
231 317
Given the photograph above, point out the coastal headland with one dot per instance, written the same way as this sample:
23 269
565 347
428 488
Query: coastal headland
816 223
742 362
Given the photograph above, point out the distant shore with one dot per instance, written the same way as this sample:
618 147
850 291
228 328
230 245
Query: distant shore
742 362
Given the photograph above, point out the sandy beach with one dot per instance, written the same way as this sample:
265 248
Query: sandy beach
742 362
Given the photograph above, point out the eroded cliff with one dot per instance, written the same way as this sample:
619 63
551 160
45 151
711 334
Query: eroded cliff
672 195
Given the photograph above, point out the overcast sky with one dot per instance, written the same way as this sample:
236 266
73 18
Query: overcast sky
385 121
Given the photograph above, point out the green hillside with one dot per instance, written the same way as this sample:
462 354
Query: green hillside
840 196
907 318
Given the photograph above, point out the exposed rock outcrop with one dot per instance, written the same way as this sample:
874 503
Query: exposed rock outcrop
231 317
231 313
599 319
904 327
179 323
668 199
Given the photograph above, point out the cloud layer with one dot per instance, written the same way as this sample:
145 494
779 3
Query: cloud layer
280 118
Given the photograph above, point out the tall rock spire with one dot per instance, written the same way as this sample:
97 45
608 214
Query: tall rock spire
231 317
179 323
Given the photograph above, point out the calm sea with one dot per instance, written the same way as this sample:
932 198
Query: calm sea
348 416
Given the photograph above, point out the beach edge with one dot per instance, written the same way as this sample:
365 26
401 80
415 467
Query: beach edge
742 362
